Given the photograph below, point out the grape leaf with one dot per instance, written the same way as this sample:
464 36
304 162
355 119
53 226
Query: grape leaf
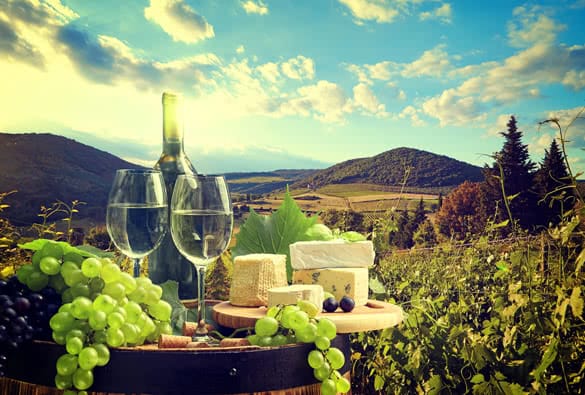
180 312
84 251
274 233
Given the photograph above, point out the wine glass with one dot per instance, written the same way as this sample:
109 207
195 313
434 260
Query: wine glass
137 213
201 228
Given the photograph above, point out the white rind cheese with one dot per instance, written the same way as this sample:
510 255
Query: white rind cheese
331 254
352 282
254 275
292 293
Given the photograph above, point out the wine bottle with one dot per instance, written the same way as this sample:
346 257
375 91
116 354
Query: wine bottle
166 262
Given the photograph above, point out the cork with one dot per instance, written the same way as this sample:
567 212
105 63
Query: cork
189 328
197 345
235 342
172 341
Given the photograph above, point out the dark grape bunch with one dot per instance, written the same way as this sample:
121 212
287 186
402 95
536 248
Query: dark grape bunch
24 315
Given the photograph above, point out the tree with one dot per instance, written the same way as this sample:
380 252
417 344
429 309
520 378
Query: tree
549 181
513 169
402 237
425 235
459 216
419 215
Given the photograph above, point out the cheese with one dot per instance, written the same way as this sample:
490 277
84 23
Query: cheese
352 282
292 293
254 275
331 254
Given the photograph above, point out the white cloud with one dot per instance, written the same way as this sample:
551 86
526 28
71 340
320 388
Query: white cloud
401 95
572 122
499 126
269 71
299 68
325 101
410 112
442 13
375 10
179 20
381 70
240 49
532 26
254 7
433 63
364 98
451 109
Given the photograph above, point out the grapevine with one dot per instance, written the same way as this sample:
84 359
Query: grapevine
299 323
100 307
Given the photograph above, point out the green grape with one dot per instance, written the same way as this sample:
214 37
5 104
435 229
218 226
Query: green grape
322 372
328 387
110 272
114 337
115 320
273 311
70 392
128 282
82 325
91 267
143 282
88 358
36 259
343 385
66 364
73 277
65 308
67 296
285 318
335 358
133 311
81 307
103 353
315 359
157 290
122 302
148 327
265 341
327 295
266 326
74 345
52 249
279 340
327 328
80 289
75 333
24 272
61 322
57 283
291 338
59 337
50 265
298 320
141 320
131 332
322 342
100 337
253 339
63 382
67 267
73 257
308 307
120 310
98 320
115 289
82 379
37 281
96 284
138 295
151 297
161 310
307 333
104 303
164 327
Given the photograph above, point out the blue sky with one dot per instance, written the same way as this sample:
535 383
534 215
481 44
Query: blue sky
274 84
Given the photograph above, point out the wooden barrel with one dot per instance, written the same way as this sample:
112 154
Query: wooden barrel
258 371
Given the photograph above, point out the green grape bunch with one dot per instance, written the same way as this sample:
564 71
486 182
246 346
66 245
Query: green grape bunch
299 323
102 307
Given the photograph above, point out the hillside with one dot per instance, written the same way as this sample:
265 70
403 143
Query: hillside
44 168
264 182
389 168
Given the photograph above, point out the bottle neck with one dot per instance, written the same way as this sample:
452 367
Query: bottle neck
172 125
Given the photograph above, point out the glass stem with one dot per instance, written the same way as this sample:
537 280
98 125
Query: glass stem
201 328
137 267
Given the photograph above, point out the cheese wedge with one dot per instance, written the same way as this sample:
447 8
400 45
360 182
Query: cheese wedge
331 254
352 282
254 275
292 293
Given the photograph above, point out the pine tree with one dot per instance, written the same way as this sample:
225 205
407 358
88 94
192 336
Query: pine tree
549 181
402 238
419 215
517 176
425 235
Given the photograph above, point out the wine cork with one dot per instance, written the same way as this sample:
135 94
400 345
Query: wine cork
172 341
235 342
197 345
189 328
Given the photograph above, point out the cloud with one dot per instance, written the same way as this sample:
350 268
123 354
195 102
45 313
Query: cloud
500 125
17 48
401 95
240 49
451 109
532 26
432 63
299 68
269 71
364 99
375 10
253 7
572 122
410 112
179 20
325 101
442 13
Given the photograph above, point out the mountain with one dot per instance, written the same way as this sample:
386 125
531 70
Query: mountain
390 168
266 181
44 168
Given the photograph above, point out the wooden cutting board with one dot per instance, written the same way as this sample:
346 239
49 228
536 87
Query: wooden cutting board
374 315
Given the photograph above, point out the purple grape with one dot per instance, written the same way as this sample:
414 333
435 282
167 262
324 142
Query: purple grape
346 303
330 305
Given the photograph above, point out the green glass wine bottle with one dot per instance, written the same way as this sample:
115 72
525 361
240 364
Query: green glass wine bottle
166 262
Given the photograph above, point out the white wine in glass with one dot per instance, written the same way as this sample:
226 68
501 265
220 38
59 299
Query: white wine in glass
137 217
201 228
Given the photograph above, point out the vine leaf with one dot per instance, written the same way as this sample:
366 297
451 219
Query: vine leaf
577 302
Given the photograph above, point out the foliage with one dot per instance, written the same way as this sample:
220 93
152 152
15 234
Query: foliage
57 211
218 278
458 216
425 235
99 237
344 220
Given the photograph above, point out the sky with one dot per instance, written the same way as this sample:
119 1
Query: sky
272 84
